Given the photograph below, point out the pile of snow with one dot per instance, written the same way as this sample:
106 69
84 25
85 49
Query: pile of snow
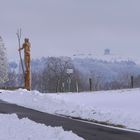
120 107
12 128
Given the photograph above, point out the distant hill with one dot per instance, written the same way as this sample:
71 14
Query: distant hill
105 57
109 67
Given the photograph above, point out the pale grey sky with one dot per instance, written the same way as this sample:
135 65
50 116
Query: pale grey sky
66 27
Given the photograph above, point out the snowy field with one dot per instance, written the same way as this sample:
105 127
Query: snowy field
120 107
12 128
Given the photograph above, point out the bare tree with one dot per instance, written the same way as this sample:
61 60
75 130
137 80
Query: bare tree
54 76
97 80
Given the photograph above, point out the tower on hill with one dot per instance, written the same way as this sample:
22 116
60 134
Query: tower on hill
107 52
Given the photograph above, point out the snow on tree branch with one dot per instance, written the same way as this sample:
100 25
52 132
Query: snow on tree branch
3 63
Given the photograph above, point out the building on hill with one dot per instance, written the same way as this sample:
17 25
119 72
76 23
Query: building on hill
107 52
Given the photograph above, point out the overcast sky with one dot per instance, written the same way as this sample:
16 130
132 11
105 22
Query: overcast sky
66 27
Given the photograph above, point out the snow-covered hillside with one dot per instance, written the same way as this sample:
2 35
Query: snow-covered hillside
107 69
120 107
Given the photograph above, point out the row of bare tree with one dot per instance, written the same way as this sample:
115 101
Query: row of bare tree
54 78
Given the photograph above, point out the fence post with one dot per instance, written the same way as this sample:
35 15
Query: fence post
132 81
90 84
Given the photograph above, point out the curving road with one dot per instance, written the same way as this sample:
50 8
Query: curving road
86 130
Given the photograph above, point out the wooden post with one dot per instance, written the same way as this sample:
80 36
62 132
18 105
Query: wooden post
27 64
132 81
27 80
77 86
90 84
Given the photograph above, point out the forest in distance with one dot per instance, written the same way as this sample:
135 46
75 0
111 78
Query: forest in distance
51 74
71 74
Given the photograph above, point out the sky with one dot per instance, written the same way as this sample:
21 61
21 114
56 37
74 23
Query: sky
67 27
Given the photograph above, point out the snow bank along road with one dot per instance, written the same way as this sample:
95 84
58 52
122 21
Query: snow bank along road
86 130
117 107
25 129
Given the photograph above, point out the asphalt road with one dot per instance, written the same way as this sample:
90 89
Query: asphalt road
85 130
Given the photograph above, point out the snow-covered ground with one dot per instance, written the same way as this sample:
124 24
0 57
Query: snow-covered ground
12 128
120 107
